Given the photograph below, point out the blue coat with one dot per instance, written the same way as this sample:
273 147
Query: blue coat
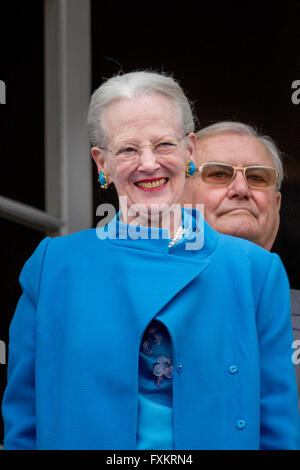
76 332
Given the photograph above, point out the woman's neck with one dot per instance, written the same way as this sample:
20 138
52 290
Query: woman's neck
158 216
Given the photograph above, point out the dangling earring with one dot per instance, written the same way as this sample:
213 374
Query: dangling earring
190 170
103 180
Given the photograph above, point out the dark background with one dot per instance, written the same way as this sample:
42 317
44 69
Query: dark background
235 61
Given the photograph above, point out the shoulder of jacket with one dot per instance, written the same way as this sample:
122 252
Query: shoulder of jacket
243 247
50 252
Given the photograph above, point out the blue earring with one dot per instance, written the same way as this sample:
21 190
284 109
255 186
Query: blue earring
103 180
190 169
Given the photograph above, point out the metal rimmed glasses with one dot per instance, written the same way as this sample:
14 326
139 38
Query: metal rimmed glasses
222 174
167 146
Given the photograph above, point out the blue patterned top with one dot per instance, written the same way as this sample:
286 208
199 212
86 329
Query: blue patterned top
155 428
155 389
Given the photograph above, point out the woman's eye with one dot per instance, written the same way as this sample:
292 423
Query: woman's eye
165 147
166 144
126 150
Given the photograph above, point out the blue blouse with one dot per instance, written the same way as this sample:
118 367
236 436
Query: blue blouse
155 427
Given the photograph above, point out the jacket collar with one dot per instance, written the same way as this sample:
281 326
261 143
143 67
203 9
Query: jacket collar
200 239
152 273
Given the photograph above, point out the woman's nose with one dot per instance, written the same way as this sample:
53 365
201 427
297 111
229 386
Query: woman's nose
147 159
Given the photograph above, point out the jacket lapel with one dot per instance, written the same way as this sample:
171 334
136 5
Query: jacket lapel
150 274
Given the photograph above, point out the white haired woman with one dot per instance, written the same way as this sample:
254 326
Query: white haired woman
154 332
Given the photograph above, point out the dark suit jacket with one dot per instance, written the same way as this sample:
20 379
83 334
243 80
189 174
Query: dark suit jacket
295 304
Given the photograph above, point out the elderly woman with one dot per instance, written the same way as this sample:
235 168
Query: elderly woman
153 332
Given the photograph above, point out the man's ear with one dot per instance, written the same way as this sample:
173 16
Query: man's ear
100 160
199 151
278 199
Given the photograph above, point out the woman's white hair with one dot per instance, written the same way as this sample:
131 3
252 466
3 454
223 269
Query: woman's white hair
245 129
132 85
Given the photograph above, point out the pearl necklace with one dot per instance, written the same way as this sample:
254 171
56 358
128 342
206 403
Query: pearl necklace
178 235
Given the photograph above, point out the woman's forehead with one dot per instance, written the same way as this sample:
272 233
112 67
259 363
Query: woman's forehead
134 117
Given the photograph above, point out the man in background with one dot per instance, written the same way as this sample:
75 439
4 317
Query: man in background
238 179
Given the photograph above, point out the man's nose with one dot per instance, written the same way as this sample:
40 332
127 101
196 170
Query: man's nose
239 187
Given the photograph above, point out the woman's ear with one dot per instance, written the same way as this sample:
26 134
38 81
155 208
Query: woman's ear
192 146
100 160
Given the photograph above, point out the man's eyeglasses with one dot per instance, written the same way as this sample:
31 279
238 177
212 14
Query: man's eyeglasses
167 146
222 174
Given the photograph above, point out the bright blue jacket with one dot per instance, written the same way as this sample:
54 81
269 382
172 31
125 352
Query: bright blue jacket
75 338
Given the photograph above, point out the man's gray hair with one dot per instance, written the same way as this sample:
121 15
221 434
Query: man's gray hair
132 85
245 129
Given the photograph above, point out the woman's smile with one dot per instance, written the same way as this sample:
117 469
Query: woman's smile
151 178
152 184
150 127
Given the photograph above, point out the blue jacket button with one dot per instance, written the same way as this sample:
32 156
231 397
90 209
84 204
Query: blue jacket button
233 369
179 367
241 424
